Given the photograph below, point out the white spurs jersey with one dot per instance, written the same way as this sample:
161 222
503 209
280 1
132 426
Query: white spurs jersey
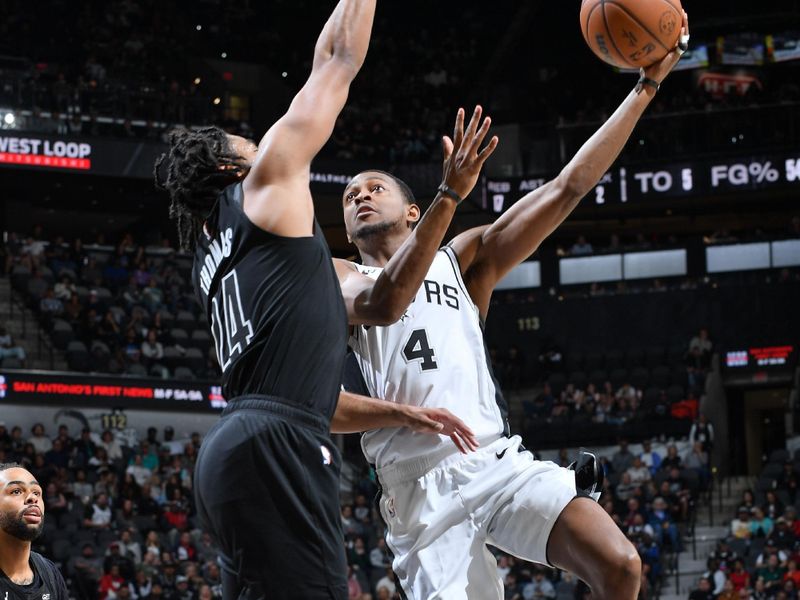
434 356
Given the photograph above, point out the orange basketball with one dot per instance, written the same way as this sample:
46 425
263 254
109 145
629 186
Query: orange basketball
631 33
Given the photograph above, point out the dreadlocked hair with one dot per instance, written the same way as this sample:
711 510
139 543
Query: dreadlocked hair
199 165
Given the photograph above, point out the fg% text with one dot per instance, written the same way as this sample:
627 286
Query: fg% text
753 173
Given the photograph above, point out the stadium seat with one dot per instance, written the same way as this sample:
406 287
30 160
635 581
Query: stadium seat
598 377
634 357
676 393
78 356
62 550
639 377
618 377
557 383
593 361
61 334
614 359
136 370
578 379
654 356
179 336
201 339
573 361
195 359
679 376
11 362
185 320
659 377
183 373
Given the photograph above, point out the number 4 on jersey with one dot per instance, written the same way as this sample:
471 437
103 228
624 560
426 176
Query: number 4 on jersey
232 332
417 348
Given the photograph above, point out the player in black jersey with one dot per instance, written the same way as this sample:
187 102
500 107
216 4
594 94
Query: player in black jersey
24 575
267 476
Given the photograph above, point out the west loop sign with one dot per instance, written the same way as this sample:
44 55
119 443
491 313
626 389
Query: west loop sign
680 180
54 153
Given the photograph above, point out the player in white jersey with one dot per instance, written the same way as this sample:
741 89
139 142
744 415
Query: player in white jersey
443 508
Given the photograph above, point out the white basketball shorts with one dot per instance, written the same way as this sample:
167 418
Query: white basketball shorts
441 516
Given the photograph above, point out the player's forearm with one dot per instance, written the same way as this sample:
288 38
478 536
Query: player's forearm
597 155
346 35
403 275
355 414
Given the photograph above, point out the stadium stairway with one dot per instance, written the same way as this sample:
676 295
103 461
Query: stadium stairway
21 323
711 526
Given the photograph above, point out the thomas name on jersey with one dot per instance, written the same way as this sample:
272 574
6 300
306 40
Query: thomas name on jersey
218 249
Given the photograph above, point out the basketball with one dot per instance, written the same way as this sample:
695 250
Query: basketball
630 34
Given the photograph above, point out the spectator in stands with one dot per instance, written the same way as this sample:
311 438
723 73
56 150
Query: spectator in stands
141 587
41 443
8 347
64 289
622 460
772 573
82 489
152 349
739 576
58 456
115 558
625 487
638 472
98 514
787 480
697 461
703 591
701 346
87 569
770 549
672 459
715 576
741 527
137 469
111 445
581 247
649 457
539 588
110 583
760 525
50 307
772 506
782 536
728 592
663 524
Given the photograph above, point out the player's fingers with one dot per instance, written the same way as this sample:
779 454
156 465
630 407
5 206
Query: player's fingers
488 150
480 135
457 424
458 131
470 440
473 124
447 148
458 443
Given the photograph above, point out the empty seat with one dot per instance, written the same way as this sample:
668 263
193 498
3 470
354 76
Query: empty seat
634 358
614 360
654 356
598 377
659 376
184 373
617 377
578 379
639 377
77 356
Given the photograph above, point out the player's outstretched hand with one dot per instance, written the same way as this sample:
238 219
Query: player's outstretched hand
443 422
463 158
662 68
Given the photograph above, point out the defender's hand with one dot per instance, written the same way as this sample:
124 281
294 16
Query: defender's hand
443 422
662 68
462 159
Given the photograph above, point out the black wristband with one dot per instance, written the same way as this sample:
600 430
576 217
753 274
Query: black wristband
448 191
643 81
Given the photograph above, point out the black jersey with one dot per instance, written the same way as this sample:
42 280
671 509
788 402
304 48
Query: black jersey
275 308
47 584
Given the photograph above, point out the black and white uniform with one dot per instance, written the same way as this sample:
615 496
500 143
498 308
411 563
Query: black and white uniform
47 584
443 508
267 474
